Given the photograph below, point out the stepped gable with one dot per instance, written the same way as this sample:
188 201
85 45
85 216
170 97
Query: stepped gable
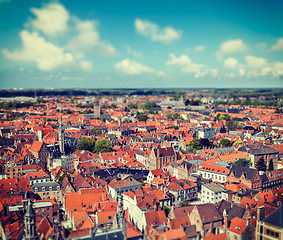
238 171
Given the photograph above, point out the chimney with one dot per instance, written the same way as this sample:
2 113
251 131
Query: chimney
260 213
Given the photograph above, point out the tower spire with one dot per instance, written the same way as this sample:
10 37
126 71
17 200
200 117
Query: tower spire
30 231
61 136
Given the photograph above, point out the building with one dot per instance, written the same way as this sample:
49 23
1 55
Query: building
48 190
214 172
206 218
182 190
159 157
29 220
119 186
68 162
211 193
241 229
37 177
13 170
270 227
40 152
267 153
250 177
96 110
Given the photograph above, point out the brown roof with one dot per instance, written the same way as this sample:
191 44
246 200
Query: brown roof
208 213
164 152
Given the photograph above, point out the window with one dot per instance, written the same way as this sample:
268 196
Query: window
43 188
35 189
50 188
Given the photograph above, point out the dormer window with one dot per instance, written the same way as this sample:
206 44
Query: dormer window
43 188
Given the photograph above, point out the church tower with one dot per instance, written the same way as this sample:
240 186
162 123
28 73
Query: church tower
61 137
96 110
30 231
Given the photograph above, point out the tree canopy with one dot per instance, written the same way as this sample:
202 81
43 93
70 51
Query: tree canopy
260 164
141 117
198 144
150 105
103 145
172 116
225 142
242 162
86 144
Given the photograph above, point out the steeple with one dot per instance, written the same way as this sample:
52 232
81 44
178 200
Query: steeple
61 136
30 231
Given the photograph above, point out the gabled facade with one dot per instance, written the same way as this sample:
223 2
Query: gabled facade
159 157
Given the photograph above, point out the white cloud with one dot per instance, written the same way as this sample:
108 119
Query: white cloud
186 63
279 45
255 62
86 65
51 19
277 69
231 63
21 69
231 46
133 52
35 48
253 73
88 39
214 72
151 30
133 68
199 48
242 72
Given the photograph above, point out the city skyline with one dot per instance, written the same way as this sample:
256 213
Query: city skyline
58 44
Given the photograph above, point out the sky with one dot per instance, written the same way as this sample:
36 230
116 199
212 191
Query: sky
141 44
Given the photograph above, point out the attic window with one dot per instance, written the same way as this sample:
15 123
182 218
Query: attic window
109 217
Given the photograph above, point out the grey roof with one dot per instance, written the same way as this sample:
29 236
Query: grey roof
249 172
263 150
29 211
275 218
224 150
214 187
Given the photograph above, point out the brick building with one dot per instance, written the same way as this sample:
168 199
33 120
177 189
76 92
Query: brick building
159 157
250 177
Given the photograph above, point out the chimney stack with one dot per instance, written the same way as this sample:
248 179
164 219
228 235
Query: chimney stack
260 213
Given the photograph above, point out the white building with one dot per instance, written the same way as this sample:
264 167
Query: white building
66 162
214 172
211 193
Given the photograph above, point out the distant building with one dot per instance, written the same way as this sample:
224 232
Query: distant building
96 110
159 157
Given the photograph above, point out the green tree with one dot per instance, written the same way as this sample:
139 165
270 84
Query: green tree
194 145
172 116
166 210
103 145
270 166
141 117
242 162
260 165
86 144
143 183
150 105
225 142
239 142
184 204
68 111
224 117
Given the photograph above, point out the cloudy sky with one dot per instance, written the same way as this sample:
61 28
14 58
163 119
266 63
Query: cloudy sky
141 44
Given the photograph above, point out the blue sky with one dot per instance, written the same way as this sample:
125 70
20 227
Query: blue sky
141 44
